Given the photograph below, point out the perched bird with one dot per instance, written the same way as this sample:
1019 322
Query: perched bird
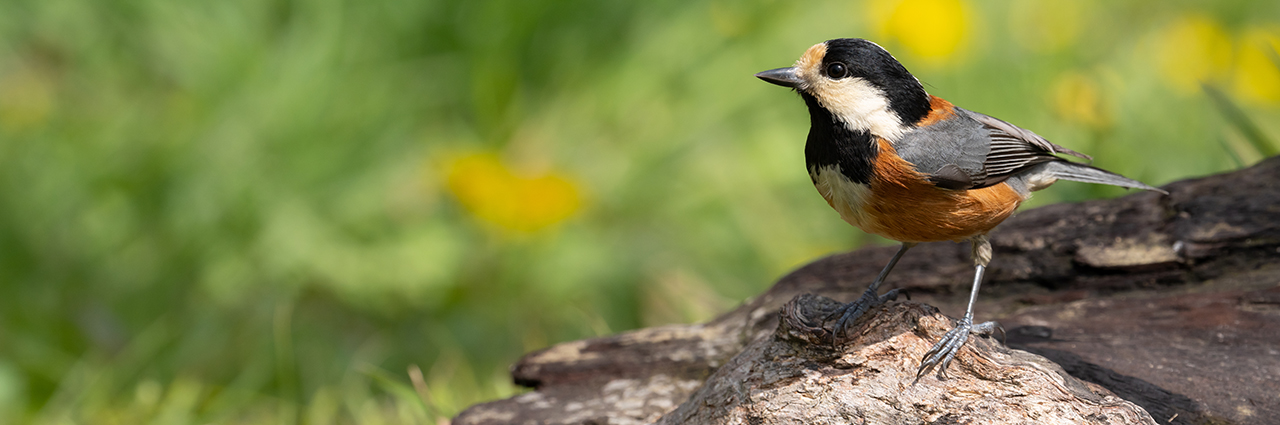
898 162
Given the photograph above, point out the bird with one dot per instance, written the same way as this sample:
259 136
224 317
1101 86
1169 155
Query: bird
900 163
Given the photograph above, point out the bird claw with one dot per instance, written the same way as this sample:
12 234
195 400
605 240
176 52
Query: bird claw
850 312
989 328
941 354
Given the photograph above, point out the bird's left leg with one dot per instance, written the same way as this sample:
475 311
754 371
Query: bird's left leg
945 350
847 313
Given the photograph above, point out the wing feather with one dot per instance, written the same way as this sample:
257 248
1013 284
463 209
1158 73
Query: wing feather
972 150
1014 149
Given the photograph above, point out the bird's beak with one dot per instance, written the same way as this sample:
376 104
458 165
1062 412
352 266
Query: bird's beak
785 77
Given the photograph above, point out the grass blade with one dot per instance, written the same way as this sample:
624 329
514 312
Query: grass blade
1241 121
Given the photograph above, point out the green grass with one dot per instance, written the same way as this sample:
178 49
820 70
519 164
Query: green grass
242 211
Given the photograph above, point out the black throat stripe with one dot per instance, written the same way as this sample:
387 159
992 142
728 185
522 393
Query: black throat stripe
832 143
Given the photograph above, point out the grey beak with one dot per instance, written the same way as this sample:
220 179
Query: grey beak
785 77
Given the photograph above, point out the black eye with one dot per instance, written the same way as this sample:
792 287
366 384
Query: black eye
837 70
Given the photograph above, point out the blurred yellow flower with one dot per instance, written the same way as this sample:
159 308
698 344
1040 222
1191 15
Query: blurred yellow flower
491 191
1257 73
1192 50
1076 98
933 30
26 98
1046 26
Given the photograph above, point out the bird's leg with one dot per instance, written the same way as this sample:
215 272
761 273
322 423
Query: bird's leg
945 350
849 312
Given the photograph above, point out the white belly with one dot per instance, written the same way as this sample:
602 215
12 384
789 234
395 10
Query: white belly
846 197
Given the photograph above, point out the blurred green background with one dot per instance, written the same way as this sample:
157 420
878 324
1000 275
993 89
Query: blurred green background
329 211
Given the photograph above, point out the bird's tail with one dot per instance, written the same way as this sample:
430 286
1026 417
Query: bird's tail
1089 174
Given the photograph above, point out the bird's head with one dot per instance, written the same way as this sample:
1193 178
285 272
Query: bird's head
859 83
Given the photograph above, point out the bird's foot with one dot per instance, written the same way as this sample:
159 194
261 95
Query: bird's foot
945 350
848 313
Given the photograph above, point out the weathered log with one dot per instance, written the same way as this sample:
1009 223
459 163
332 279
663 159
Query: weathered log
795 377
1169 302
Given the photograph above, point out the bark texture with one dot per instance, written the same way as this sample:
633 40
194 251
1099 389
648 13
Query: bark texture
1167 303
796 377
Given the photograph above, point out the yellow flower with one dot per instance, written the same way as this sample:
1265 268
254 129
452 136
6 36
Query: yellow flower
1075 97
491 191
1192 50
1257 73
933 30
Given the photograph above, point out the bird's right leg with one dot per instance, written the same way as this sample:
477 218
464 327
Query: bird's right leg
944 351
850 312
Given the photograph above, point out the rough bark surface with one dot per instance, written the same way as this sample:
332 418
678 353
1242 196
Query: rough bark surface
796 377
1170 302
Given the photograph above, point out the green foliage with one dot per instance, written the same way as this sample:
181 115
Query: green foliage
1239 120
268 211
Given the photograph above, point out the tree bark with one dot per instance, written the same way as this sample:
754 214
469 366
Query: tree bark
1168 305
796 377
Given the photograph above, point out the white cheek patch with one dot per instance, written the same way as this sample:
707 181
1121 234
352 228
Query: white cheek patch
859 105
846 197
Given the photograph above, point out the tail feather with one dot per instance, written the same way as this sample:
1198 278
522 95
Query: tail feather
1089 174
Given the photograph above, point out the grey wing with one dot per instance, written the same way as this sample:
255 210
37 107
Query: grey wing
973 150
1014 148
951 152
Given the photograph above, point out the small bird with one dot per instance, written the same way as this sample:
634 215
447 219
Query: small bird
898 162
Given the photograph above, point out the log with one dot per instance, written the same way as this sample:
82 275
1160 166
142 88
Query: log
796 377
1167 305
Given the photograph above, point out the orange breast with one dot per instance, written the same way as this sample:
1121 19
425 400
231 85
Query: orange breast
906 207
